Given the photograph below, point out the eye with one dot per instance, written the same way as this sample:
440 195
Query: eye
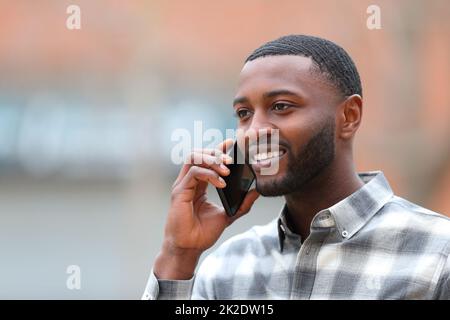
242 113
280 106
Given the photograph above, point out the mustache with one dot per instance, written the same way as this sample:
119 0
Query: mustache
267 143
266 146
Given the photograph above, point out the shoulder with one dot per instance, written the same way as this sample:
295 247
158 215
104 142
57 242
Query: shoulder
415 222
418 215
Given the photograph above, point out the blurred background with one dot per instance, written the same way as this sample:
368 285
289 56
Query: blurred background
86 118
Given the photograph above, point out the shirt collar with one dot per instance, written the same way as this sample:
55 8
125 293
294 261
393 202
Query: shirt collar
350 214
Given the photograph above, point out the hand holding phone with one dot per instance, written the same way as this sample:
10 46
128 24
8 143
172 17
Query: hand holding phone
194 223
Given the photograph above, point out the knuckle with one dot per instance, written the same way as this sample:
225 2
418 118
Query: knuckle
207 159
217 153
189 158
215 175
193 170
174 193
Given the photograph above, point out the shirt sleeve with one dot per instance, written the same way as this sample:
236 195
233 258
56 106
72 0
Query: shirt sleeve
202 286
443 292
158 289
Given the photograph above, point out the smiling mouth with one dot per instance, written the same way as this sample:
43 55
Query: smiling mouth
260 160
267 156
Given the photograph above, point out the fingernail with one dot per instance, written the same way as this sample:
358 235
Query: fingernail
222 181
228 159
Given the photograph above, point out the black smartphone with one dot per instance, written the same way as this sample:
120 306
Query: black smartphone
238 182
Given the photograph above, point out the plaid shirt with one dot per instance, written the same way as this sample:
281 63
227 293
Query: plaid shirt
370 245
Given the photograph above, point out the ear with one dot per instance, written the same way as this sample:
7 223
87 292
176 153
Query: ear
349 116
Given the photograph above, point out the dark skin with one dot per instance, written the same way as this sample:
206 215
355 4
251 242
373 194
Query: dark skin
277 92
281 92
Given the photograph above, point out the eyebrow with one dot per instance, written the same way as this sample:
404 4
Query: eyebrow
269 94
239 100
280 92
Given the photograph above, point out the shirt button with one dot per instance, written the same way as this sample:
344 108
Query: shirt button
345 233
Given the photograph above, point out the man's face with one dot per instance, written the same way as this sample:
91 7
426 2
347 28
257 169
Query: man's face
281 92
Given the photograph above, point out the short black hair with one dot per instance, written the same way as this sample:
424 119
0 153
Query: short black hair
331 60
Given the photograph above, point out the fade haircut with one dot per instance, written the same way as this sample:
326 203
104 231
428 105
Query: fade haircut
328 58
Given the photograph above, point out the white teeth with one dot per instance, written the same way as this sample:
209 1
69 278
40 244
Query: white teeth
267 155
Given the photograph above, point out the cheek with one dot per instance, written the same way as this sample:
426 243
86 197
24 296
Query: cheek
297 131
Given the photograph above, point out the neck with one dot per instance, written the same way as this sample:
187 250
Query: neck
334 183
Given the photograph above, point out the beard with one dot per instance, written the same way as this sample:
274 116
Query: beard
304 166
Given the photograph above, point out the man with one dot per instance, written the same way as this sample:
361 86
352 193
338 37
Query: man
340 235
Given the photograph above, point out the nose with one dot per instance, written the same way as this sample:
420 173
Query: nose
260 129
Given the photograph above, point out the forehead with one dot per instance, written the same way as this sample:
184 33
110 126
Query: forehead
280 72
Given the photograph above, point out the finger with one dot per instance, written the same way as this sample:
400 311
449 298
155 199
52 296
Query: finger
213 152
200 158
205 161
225 145
246 205
211 162
220 156
184 169
222 147
197 174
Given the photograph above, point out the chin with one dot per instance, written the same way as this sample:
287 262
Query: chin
270 186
